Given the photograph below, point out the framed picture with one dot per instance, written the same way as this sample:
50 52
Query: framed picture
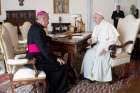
61 6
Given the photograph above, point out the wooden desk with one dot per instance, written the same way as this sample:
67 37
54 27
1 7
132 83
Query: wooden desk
73 47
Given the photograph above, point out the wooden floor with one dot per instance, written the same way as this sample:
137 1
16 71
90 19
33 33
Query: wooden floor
134 88
135 84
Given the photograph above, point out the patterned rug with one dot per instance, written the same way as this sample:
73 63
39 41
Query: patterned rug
6 88
3 78
84 86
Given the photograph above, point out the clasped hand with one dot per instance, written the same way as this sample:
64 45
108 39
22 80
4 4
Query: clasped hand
89 41
103 52
61 61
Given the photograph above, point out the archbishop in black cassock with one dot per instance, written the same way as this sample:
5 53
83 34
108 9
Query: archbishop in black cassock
39 47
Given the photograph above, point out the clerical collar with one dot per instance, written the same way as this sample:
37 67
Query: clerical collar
39 25
101 22
118 11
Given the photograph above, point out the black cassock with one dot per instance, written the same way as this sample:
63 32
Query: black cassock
39 47
116 15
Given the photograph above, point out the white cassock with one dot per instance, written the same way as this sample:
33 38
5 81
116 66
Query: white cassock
95 66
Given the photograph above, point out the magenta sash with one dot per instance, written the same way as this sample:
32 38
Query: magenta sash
33 48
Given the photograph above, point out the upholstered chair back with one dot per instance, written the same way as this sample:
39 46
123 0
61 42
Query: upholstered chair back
128 29
7 44
24 29
7 47
19 75
13 33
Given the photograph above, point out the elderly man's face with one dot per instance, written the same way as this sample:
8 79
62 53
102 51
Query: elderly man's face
45 20
118 7
98 18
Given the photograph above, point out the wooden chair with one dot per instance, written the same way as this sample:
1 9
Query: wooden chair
15 65
24 30
18 45
128 28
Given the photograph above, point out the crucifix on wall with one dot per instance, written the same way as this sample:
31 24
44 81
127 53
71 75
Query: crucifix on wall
61 6
21 2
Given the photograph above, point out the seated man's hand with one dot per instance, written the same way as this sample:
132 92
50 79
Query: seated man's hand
89 41
103 52
32 61
61 61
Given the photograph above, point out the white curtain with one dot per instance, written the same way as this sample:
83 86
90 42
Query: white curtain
89 15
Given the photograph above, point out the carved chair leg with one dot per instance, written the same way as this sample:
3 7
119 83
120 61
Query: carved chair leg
13 88
12 83
44 86
39 86
34 88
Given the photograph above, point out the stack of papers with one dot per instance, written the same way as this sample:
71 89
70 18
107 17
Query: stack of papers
80 37
60 35
57 35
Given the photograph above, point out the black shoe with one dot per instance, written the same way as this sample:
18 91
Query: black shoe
90 81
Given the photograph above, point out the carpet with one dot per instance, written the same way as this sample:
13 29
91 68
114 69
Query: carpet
6 88
3 78
84 86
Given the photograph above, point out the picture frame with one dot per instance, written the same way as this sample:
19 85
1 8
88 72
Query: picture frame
61 6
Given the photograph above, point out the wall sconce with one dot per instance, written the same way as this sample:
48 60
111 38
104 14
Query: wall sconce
21 2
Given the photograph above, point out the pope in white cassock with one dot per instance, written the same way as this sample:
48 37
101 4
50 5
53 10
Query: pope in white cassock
96 64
